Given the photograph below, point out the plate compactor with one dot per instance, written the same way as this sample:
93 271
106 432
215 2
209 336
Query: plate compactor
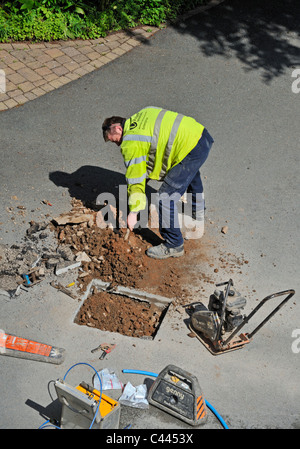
218 325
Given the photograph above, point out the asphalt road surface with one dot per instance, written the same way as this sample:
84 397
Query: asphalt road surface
233 69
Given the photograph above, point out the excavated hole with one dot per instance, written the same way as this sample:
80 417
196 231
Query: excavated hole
118 313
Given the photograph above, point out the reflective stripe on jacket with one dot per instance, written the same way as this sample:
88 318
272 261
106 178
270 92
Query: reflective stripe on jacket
154 140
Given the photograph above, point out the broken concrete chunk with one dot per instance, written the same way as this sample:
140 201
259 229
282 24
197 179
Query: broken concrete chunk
73 218
52 262
82 256
65 268
35 227
65 252
112 219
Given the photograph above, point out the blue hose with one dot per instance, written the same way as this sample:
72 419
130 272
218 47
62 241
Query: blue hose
216 414
148 373
47 424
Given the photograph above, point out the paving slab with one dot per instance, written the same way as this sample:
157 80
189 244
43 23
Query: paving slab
34 62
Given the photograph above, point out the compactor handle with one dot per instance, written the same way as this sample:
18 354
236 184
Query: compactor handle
288 293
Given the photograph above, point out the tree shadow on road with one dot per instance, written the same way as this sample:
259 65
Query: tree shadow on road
263 35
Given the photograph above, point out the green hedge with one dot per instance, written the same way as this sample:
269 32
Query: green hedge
46 20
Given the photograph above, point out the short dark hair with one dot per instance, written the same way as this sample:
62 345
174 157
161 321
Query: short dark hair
111 121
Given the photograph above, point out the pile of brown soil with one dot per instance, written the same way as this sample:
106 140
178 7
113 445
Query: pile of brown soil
111 257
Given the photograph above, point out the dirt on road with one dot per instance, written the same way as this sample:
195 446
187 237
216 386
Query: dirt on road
114 256
120 259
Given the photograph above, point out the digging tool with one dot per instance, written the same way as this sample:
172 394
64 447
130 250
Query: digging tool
63 289
218 325
31 278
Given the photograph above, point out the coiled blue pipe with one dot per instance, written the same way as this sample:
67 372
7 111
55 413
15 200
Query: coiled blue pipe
149 373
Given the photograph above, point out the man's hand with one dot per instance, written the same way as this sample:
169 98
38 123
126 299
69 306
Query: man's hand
132 220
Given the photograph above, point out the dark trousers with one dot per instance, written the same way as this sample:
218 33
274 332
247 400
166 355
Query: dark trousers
183 177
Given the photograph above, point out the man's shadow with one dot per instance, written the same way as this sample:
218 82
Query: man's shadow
96 187
88 182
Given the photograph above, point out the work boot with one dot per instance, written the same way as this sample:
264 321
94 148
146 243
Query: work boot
163 252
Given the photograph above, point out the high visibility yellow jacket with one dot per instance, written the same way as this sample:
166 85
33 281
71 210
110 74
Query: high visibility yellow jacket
154 141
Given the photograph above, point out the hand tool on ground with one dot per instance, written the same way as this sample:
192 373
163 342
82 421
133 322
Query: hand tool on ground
212 325
63 289
105 348
31 278
71 284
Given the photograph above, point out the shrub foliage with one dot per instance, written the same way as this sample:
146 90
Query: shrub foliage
47 20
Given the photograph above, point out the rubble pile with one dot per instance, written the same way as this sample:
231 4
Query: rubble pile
111 254
87 243
114 256
39 253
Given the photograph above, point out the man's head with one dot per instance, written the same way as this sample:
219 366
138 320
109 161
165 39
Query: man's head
112 128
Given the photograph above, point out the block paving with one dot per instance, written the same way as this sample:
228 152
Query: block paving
29 70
